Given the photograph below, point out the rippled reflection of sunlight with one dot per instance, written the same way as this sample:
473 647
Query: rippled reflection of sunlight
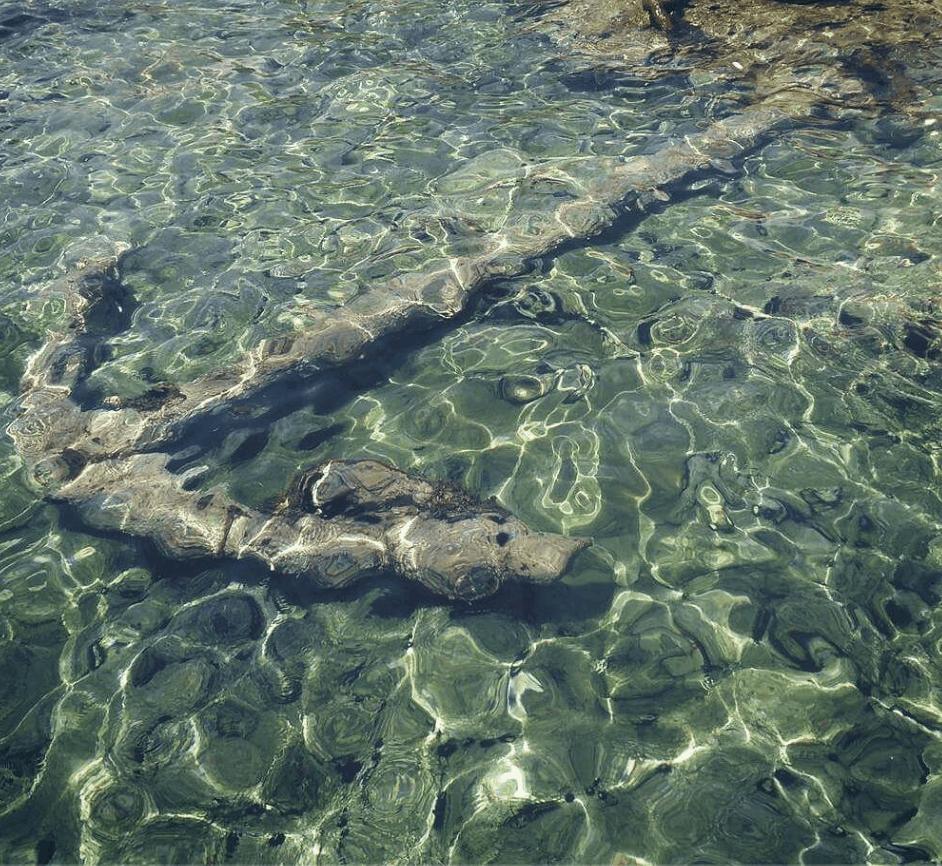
735 397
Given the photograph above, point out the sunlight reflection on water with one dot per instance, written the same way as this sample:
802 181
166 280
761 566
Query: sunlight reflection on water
736 400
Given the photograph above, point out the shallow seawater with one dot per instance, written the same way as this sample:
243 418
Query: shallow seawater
735 397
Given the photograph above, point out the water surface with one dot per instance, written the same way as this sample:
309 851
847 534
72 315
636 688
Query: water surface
735 397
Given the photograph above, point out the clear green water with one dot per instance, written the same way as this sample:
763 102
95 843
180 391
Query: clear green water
746 667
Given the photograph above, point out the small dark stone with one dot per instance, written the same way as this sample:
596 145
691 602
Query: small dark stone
787 779
849 320
45 851
154 399
438 813
347 769
250 447
445 750
644 332
312 440
919 341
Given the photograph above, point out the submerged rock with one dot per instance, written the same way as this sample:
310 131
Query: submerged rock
342 520
851 53
346 519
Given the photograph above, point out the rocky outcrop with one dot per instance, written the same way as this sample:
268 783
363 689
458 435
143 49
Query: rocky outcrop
847 53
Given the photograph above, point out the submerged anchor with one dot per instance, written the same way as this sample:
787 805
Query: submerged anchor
342 520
